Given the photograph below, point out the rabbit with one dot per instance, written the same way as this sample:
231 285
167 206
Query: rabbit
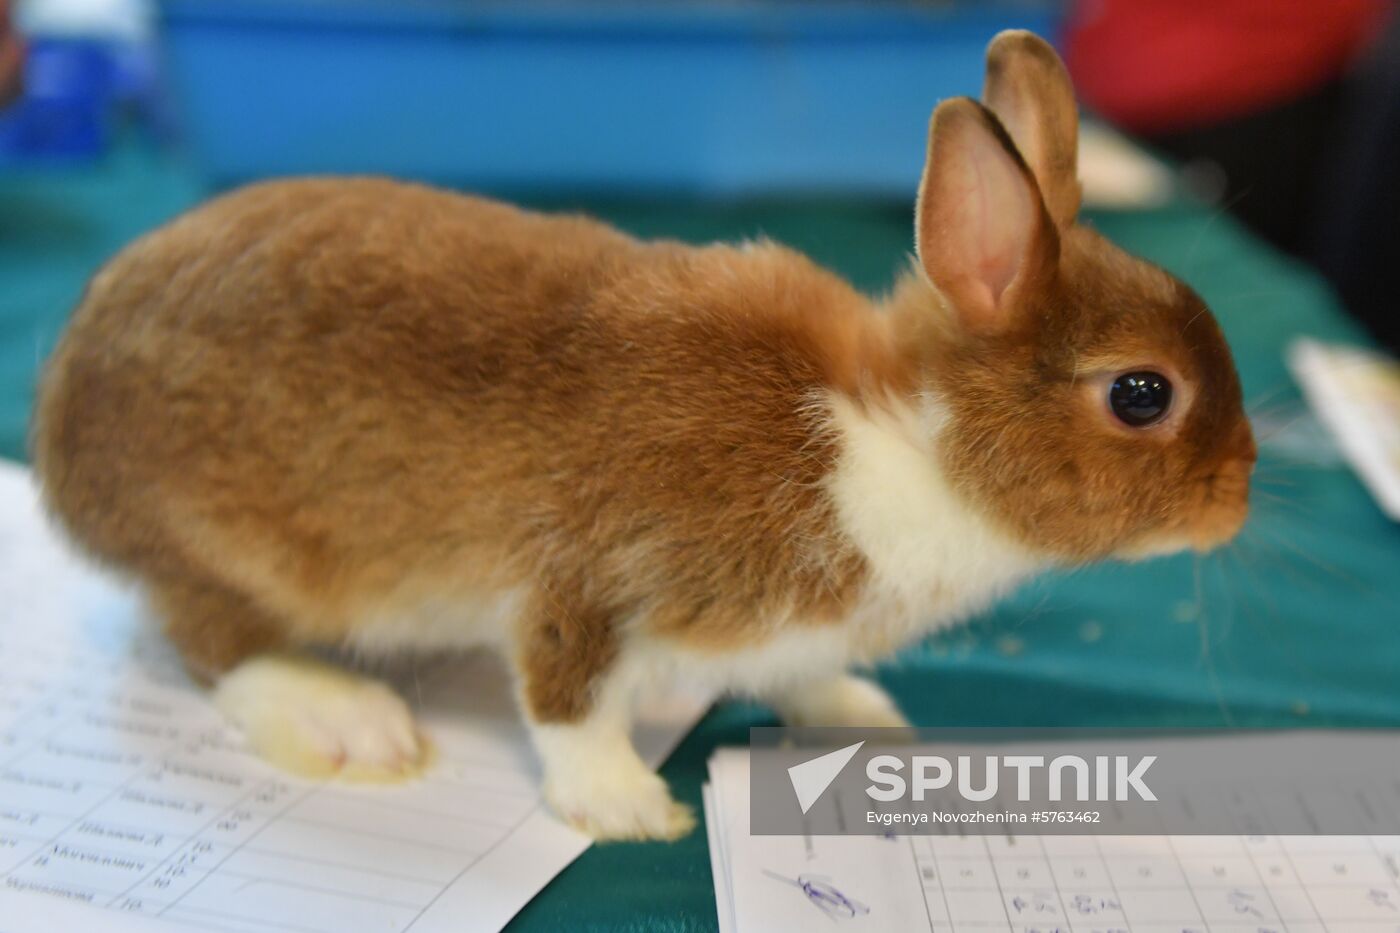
357 412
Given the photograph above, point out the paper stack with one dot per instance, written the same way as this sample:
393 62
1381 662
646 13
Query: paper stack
1356 393
967 883
778 883
127 802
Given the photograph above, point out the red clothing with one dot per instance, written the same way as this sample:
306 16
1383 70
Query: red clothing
11 56
1160 65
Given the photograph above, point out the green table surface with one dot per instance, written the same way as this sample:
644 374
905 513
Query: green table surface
1296 624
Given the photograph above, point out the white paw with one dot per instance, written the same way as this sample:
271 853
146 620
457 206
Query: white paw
841 701
317 720
632 804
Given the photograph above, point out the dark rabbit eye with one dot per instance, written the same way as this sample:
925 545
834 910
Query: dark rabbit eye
1140 399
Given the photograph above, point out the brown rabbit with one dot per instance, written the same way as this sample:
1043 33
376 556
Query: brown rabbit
352 411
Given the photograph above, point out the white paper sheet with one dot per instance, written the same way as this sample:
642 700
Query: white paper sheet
1042 884
1117 174
1356 393
122 789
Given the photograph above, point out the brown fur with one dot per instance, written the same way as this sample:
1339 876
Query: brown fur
332 394
313 403
1031 438
1049 462
211 623
1028 89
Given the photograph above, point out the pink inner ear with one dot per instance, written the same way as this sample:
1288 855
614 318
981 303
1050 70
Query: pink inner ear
979 216
997 217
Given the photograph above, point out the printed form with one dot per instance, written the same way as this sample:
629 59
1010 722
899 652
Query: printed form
122 790
959 883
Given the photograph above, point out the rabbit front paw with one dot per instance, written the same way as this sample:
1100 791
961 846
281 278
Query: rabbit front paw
619 804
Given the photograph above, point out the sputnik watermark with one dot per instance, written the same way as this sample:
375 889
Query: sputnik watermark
1118 778
1065 781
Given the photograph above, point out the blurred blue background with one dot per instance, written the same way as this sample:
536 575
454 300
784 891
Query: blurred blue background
707 98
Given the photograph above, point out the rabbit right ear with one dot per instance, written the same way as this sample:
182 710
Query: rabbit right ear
1029 90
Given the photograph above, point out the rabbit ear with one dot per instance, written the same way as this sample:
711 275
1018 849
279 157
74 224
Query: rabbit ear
981 232
1029 90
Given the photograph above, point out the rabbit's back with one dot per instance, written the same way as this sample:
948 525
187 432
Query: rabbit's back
311 387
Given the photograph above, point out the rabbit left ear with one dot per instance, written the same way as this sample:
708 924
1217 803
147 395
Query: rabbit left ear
981 231
1029 90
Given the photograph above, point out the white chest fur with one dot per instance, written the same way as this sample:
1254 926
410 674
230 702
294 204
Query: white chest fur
934 559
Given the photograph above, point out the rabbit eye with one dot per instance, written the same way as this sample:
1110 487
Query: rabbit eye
1141 398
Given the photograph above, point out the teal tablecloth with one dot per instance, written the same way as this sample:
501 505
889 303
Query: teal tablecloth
1297 624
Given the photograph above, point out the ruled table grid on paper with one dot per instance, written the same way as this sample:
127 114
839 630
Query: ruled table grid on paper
190 826
1160 884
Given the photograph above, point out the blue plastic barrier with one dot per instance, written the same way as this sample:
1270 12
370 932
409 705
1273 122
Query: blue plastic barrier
64 111
705 98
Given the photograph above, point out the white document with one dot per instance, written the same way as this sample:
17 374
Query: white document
1356 393
1041 884
1117 174
127 804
